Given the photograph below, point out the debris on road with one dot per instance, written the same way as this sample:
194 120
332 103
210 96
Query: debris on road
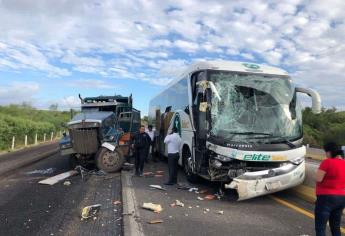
220 212
200 198
206 210
160 171
157 187
127 166
90 211
155 221
148 173
209 197
153 207
178 203
67 183
184 186
41 172
193 189
203 191
117 202
57 178
159 175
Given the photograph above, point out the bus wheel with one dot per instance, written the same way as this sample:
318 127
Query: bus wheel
109 161
187 167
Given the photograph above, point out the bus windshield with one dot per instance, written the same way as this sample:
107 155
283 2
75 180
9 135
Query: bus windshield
253 108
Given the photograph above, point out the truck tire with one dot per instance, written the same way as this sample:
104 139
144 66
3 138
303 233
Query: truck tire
191 177
109 161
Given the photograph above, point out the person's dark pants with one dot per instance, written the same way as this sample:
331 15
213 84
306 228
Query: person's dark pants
173 167
140 156
328 207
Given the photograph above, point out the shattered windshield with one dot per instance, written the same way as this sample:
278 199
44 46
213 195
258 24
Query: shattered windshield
251 107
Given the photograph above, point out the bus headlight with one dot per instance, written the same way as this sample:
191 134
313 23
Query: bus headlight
222 158
297 161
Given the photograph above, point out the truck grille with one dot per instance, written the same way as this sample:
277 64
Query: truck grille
85 140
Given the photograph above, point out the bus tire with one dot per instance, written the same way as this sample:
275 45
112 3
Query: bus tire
186 155
109 161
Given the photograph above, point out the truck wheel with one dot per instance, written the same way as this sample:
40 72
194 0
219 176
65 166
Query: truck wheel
187 167
109 161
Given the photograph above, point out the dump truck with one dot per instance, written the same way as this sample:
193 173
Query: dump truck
101 133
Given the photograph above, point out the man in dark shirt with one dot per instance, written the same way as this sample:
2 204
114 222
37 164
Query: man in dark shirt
141 145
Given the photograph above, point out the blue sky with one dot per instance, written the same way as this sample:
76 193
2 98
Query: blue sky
50 51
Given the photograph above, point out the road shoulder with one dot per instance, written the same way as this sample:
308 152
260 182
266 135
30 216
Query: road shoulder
131 225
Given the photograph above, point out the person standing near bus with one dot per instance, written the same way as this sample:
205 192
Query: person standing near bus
174 142
141 145
330 191
151 133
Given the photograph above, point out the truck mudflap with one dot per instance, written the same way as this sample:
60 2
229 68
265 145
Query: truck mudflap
254 184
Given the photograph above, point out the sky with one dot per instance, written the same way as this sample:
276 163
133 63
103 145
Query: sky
50 51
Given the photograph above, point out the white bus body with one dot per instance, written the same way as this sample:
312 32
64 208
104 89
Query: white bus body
241 124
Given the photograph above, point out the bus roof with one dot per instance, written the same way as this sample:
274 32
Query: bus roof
235 66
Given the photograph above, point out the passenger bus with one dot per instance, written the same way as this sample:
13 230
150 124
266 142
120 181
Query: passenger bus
241 124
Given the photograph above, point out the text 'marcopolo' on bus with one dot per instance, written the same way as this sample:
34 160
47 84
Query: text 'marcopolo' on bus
241 124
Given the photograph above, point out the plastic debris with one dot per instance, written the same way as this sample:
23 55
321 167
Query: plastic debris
90 211
200 198
57 178
157 187
158 176
155 221
193 189
209 197
184 186
153 207
67 183
178 203
159 171
42 172
206 210
173 204
117 202
190 207
220 212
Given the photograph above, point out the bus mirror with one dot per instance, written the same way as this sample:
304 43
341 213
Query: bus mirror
167 109
315 96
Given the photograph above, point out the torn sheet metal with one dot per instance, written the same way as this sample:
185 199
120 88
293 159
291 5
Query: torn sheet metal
247 187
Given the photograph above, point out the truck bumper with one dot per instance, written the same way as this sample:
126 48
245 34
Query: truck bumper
253 184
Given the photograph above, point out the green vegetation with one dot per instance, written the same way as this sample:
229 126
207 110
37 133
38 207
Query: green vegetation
326 126
21 120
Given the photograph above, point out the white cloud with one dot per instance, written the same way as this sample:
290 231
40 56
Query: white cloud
154 41
18 92
91 84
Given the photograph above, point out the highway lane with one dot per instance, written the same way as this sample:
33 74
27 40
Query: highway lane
28 208
259 216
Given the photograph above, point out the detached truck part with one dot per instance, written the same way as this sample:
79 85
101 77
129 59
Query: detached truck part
101 132
241 124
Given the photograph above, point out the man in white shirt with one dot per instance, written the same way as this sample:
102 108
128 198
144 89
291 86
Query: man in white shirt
151 133
174 142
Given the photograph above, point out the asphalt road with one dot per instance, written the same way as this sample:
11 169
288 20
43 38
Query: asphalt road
259 216
28 208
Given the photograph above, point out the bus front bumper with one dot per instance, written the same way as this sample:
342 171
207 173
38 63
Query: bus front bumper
254 184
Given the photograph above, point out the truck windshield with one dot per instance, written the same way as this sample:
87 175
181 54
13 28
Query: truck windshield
254 108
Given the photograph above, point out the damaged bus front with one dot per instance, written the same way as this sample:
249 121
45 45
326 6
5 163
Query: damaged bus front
242 125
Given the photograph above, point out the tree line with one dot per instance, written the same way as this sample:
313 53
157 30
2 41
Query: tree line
329 125
21 120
